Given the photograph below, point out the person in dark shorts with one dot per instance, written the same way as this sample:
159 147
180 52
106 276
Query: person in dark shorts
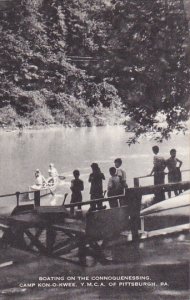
174 164
77 186
114 187
96 190
159 166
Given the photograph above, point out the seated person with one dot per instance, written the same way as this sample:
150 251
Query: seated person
53 174
39 181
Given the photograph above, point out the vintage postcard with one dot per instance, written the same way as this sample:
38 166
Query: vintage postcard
94 149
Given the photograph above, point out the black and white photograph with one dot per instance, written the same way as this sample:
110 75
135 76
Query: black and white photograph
94 149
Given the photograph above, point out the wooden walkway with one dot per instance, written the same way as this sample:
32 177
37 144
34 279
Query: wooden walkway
53 231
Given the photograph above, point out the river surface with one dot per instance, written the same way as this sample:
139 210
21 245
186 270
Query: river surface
76 148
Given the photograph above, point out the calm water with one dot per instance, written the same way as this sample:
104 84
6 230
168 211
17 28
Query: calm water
77 148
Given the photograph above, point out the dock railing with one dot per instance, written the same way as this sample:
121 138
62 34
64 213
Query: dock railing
136 180
137 190
17 194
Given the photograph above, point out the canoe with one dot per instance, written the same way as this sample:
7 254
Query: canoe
171 212
45 190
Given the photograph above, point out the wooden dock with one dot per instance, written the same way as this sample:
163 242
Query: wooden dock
54 231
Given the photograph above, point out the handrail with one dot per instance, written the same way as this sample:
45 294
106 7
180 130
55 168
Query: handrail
30 192
137 190
22 193
136 179
94 201
166 173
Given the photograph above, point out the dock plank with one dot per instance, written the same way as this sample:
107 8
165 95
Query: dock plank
28 220
52 210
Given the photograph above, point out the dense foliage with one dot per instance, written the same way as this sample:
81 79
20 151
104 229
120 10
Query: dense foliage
38 84
84 61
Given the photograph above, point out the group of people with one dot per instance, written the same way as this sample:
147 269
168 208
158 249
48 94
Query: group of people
40 180
117 181
116 185
174 174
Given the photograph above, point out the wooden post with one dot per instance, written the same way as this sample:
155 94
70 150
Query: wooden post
136 182
142 224
50 239
17 198
37 198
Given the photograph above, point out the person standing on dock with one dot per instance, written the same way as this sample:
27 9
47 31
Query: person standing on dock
114 187
159 164
122 175
174 174
96 190
77 186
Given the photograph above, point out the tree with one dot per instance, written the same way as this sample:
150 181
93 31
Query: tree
148 63
35 68
99 53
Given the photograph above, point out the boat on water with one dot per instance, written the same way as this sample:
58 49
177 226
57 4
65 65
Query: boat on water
45 190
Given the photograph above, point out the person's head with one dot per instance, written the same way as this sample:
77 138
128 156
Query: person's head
95 167
37 172
76 173
112 171
173 153
118 162
51 165
155 149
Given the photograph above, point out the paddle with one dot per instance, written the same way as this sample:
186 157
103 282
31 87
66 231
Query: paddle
51 192
61 177
66 194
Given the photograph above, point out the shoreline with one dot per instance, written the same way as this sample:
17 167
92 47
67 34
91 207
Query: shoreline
10 129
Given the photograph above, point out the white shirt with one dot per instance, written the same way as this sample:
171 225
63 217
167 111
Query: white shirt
40 180
53 172
121 174
114 182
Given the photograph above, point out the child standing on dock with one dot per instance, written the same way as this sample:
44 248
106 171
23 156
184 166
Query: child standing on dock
96 190
174 174
122 175
159 165
77 186
114 187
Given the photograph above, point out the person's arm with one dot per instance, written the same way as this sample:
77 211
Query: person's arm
102 176
44 181
82 185
123 179
151 173
180 163
110 187
90 178
71 186
110 184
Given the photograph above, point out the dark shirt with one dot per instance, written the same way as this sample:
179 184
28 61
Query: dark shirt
77 186
96 183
